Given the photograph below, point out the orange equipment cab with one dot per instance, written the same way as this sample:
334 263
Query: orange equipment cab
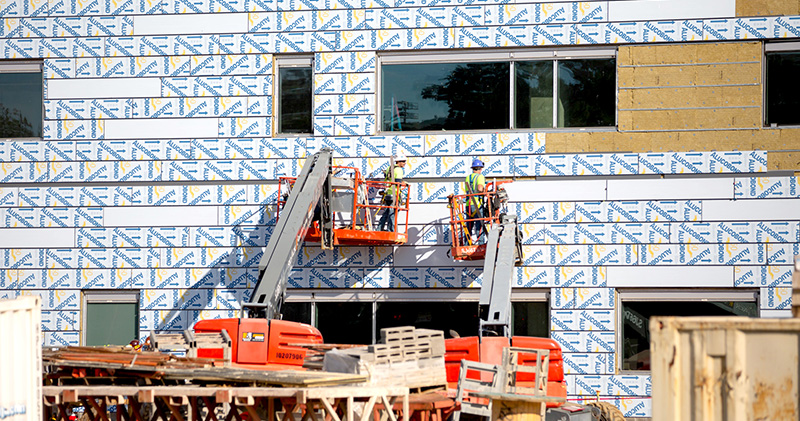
261 343
358 205
462 245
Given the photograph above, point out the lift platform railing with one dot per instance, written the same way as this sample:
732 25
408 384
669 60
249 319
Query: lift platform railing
358 207
463 245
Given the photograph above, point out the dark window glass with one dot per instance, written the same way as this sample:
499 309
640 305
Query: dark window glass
294 88
297 312
534 94
449 96
783 90
460 317
531 319
20 105
586 93
636 318
111 323
345 323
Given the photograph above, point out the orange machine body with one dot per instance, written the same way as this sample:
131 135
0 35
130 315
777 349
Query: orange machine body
490 350
261 343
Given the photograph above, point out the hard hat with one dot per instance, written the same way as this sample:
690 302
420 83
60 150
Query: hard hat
399 157
477 163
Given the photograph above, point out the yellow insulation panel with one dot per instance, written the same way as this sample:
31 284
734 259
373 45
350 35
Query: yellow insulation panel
724 96
715 52
783 161
689 119
696 75
720 140
745 8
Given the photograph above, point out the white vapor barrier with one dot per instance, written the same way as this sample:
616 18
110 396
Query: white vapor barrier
104 88
162 129
751 210
37 237
163 216
428 256
670 9
657 189
548 191
672 276
427 213
216 23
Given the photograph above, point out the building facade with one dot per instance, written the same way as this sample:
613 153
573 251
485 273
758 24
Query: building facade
657 143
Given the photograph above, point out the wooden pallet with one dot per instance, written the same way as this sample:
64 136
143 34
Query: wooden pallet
410 357
188 342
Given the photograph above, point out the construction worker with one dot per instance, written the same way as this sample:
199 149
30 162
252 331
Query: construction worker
475 186
392 193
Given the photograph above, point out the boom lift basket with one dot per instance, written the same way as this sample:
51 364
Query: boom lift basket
462 245
358 204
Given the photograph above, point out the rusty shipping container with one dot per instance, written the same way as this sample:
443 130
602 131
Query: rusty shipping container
724 368
20 359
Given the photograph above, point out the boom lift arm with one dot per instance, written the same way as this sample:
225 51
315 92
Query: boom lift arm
503 252
312 188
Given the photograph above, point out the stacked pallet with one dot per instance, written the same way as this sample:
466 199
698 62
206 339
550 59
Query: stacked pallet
188 342
405 356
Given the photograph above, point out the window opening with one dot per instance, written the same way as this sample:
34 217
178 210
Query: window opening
782 88
345 323
21 100
295 95
636 316
110 317
445 96
524 90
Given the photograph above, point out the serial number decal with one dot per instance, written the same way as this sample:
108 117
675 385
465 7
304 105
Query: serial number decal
289 355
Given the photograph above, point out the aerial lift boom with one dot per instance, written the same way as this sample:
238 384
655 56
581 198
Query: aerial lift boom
503 252
312 193
263 340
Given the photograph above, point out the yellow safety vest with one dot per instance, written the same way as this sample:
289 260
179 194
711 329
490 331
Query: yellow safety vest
399 173
471 186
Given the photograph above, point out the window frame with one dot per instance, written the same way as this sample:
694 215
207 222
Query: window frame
671 294
314 296
774 47
285 62
107 297
500 55
27 66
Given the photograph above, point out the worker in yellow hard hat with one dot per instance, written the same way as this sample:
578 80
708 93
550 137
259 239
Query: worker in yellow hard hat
392 193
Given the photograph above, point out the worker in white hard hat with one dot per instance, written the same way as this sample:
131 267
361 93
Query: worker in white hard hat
475 186
391 195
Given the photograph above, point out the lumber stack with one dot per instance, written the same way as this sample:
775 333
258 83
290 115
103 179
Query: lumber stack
117 366
120 357
405 356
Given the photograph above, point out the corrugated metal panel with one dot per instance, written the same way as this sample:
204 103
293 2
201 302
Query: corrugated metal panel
724 368
20 359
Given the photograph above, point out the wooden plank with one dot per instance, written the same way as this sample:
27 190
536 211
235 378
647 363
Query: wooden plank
286 377
517 398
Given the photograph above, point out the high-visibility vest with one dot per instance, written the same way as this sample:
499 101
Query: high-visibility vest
399 173
471 186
